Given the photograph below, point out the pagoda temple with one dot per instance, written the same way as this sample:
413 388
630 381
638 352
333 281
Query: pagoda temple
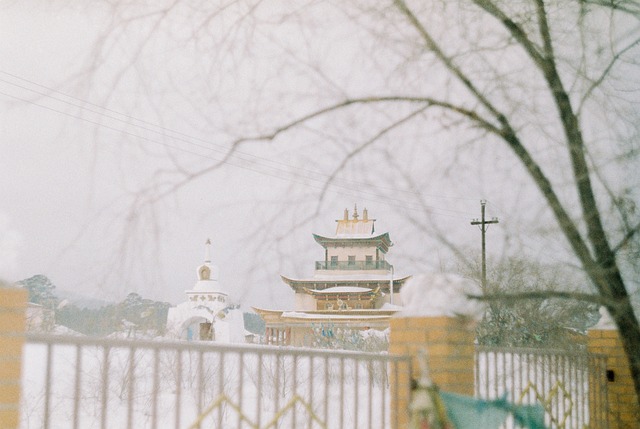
352 286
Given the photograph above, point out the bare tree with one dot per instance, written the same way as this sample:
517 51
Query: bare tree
542 321
549 82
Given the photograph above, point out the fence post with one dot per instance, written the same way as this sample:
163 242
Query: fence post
449 342
622 410
13 304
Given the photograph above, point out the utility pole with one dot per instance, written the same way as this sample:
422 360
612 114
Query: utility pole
484 225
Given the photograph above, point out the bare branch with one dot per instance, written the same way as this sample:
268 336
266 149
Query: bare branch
473 116
631 7
596 83
543 25
514 29
515 297
365 145
446 60
627 237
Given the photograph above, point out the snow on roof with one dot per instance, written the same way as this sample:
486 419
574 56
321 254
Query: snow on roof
343 289
605 323
436 294
355 228
300 315
389 306
207 286
351 276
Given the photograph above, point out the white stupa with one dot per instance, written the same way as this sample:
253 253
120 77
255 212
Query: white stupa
207 314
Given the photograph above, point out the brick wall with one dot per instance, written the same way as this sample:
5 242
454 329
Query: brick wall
449 343
12 326
623 408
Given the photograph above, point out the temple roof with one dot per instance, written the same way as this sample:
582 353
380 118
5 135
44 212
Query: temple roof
279 315
381 240
365 281
355 230
342 289
355 227
348 291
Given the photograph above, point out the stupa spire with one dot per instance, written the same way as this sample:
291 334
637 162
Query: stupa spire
207 251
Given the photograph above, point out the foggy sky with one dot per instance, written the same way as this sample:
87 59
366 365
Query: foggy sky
72 165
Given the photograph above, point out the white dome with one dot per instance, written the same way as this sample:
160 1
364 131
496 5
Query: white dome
208 286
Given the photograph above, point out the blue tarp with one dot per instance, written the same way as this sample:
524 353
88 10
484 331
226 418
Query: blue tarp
466 412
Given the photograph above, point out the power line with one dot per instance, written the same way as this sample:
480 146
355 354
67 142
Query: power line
209 144
242 156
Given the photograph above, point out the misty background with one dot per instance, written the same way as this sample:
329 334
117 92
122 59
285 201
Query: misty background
117 124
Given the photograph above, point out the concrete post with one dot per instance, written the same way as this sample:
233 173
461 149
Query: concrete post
13 304
623 409
449 343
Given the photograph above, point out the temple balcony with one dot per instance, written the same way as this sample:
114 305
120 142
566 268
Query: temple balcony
353 265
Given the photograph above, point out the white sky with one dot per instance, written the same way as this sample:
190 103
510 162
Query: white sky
70 170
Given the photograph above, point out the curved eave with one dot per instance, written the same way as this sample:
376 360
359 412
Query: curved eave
266 311
360 294
299 285
382 240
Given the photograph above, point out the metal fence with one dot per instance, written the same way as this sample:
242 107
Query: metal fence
571 386
82 382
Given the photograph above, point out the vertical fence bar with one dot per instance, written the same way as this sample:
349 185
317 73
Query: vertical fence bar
220 387
396 391
505 373
356 395
476 373
513 378
552 383
310 392
47 388
579 422
326 390
294 384
536 365
563 379
259 392
156 388
371 374
495 375
76 387
487 373
131 380
384 369
544 387
240 385
521 376
593 371
105 387
200 381
341 392
277 386
594 388
178 402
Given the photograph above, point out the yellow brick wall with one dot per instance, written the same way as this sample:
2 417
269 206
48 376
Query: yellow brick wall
449 343
623 409
12 326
